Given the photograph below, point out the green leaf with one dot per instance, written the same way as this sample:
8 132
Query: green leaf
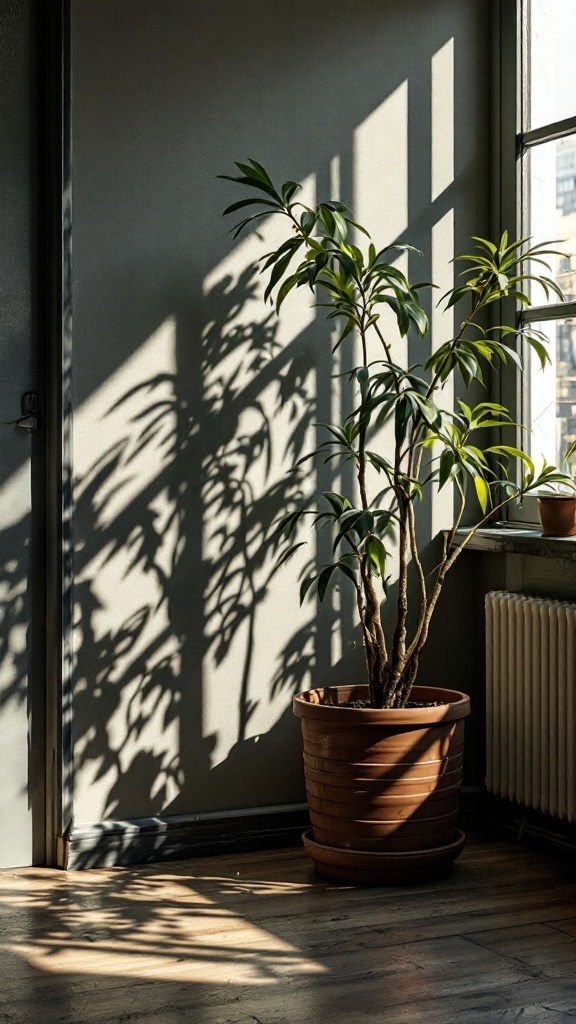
348 522
347 264
349 327
278 272
289 188
365 524
429 411
290 245
357 226
235 231
339 224
256 168
324 579
338 502
338 432
570 451
510 451
307 582
486 244
447 460
377 555
379 462
347 572
402 417
385 522
284 289
482 492
249 202
253 182
466 410
540 350
455 295
506 352
327 218
418 316
468 366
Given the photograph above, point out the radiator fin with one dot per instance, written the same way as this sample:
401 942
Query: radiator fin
530 681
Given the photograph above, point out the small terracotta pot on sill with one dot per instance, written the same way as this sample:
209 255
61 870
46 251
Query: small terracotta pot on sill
557 514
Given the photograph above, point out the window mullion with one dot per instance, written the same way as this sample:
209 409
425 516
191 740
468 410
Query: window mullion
555 311
548 132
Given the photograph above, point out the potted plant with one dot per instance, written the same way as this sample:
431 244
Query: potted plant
383 759
557 504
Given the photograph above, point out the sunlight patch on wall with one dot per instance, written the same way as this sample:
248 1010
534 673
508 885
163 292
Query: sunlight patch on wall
124 438
14 769
261 367
380 162
112 431
442 119
257 369
335 178
257 652
14 616
14 510
442 329
15 497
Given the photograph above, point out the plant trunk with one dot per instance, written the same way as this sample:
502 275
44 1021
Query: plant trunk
374 643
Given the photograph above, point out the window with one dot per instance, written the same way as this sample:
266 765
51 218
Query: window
547 154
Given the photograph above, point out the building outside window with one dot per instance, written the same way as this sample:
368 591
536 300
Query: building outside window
547 149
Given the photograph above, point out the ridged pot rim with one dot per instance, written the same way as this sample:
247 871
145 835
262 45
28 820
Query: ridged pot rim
321 705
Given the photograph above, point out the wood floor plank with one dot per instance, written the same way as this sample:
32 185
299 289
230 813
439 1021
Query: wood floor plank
259 939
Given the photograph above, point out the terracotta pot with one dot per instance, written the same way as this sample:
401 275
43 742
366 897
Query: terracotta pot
384 782
557 515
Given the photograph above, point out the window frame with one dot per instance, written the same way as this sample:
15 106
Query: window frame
513 143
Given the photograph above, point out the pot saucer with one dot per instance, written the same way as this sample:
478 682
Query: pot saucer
367 867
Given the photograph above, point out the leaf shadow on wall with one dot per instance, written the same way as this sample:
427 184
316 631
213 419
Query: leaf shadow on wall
200 529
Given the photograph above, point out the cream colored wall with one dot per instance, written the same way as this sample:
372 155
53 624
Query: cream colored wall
190 398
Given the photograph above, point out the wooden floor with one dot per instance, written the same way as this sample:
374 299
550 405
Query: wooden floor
259 939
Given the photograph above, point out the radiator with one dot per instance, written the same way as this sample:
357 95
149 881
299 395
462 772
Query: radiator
530 703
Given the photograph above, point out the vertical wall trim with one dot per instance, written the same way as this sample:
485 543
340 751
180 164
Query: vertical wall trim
495 120
505 114
59 502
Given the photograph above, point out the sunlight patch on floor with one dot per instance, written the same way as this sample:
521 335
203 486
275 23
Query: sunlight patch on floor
161 927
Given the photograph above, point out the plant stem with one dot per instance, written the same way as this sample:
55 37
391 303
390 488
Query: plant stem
373 634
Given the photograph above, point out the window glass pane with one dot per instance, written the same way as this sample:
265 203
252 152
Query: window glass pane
552 64
551 209
553 393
